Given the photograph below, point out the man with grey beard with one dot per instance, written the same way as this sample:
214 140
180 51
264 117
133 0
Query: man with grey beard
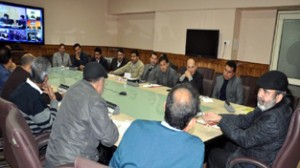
260 133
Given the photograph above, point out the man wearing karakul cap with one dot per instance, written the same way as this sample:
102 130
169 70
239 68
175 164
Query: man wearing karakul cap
260 133
82 121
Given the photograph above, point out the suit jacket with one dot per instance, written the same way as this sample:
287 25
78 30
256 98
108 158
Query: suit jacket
169 78
234 89
147 70
18 76
57 60
196 82
102 61
84 59
114 64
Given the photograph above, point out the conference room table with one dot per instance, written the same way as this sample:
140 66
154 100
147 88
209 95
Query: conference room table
143 102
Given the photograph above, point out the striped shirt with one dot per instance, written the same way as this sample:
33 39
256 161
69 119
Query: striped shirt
28 98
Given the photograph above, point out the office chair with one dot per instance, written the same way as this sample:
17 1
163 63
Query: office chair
246 92
208 86
288 155
5 108
81 162
206 72
23 146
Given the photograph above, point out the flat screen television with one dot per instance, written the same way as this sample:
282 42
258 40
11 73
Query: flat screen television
202 43
21 24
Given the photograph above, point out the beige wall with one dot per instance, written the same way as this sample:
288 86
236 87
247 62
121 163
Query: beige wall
170 28
256 35
161 25
135 30
71 21
137 6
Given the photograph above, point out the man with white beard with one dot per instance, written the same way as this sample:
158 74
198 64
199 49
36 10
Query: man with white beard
260 133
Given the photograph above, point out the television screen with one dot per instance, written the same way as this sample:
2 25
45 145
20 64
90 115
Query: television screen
21 24
202 43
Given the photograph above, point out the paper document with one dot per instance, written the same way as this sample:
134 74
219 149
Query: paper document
206 99
151 85
201 121
122 125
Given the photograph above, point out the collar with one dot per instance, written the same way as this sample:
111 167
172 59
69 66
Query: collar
35 86
167 125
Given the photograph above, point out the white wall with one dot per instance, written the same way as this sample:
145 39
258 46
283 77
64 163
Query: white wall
72 21
256 35
170 28
135 30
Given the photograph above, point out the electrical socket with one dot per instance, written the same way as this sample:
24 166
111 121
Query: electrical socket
226 42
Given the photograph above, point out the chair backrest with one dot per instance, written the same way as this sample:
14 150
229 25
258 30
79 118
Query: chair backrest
208 86
81 162
21 140
289 154
296 102
5 108
206 72
246 92
251 82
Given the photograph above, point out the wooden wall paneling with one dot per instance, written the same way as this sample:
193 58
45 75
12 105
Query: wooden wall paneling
244 68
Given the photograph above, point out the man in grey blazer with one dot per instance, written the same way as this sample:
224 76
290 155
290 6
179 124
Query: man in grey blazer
164 75
61 58
149 68
228 86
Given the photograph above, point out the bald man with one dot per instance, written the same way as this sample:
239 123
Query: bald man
155 137
192 76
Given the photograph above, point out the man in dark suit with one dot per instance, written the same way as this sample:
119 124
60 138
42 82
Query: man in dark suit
192 76
119 61
81 58
98 57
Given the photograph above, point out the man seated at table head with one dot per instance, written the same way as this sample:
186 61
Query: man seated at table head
6 66
28 97
18 76
82 122
81 58
260 133
135 67
228 86
118 61
164 75
149 67
192 76
61 58
98 57
167 143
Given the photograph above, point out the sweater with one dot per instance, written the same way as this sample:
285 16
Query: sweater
34 109
151 144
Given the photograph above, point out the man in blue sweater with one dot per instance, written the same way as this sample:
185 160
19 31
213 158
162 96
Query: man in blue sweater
28 97
167 143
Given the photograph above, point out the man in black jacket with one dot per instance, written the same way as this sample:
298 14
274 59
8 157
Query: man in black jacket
192 76
260 133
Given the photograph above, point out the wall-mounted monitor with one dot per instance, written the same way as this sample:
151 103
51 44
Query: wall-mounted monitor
202 43
21 24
